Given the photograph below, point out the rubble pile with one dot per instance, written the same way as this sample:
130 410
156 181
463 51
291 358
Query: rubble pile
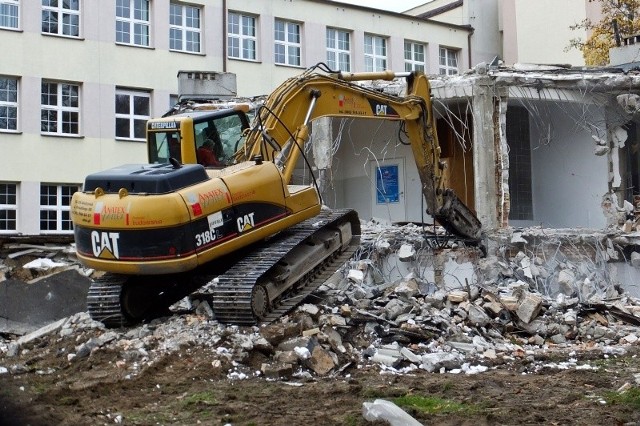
359 320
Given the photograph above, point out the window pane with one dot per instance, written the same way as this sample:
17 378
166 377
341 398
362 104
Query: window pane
49 22
122 9
249 49
49 121
233 48
175 16
279 53
140 105
279 31
248 26
139 129
122 128
122 104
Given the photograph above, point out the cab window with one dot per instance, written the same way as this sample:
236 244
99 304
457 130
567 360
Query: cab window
163 145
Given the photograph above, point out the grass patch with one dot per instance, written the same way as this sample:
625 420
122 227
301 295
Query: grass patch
630 397
434 405
351 420
206 398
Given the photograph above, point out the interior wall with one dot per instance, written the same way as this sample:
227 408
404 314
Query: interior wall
569 180
361 142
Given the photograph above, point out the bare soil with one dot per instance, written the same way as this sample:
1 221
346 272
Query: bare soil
188 387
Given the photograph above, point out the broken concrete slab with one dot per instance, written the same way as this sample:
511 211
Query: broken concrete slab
51 298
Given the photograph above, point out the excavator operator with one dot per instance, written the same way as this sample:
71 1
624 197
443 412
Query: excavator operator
206 156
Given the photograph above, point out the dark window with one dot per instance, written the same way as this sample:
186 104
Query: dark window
519 143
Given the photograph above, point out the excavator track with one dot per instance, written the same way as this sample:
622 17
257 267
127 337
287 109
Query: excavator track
103 300
239 296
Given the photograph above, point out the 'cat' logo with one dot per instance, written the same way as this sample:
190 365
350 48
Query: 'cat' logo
105 244
245 222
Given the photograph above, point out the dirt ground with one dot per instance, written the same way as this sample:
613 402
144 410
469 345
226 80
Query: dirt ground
187 388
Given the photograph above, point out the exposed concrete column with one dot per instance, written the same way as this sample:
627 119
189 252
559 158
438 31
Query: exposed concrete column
485 159
322 149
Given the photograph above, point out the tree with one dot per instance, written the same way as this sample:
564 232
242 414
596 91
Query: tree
601 36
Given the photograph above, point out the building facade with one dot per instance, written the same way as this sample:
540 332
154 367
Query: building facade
79 79
517 31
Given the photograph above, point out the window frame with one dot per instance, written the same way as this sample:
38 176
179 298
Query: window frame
184 29
449 54
337 51
412 63
6 17
9 207
60 10
62 211
60 109
132 117
287 44
131 21
8 104
247 44
371 57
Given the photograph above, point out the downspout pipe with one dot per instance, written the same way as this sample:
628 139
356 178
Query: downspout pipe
224 35
472 30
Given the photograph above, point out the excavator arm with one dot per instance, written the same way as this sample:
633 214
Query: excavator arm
281 128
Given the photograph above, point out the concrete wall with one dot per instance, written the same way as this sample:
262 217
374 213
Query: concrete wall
569 181
538 31
365 141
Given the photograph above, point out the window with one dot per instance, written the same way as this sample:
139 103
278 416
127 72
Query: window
9 13
414 56
338 49
287 43
60 108
8 206
61 17
54 208
184 28
375 53
132 22
132 113
448 61
8 103
242 40
520 192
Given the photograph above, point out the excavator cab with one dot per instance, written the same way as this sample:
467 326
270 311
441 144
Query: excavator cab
179 136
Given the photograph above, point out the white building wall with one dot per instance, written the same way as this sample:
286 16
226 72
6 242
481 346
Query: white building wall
541 31
569 180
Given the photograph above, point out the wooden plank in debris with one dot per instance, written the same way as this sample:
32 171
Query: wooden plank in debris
35 246
23 253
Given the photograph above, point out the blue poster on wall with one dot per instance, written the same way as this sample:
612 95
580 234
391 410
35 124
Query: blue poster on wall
387 184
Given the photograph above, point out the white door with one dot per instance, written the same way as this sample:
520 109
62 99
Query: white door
388 199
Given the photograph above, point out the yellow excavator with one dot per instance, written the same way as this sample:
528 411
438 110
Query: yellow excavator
256 243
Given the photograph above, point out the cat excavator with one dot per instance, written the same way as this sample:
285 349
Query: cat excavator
241 233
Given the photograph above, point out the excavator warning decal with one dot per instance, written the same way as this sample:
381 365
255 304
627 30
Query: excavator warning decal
105 244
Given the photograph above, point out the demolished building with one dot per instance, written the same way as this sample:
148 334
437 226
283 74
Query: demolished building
547 157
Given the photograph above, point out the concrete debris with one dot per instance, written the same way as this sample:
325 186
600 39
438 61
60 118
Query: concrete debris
431 312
